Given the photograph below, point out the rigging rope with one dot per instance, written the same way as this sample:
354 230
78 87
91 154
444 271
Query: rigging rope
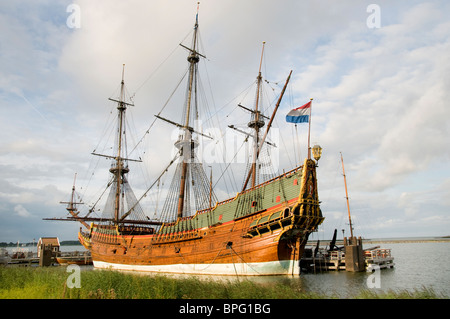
164 106
164 171
157 68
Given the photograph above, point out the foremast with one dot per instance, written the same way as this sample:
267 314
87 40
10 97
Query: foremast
120 167
121 202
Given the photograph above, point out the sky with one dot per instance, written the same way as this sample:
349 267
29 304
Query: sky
378 73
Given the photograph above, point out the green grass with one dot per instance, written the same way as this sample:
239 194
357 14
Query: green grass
50 283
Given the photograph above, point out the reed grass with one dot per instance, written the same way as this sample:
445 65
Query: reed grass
50 283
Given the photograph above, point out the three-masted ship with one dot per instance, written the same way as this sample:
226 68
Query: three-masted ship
261 231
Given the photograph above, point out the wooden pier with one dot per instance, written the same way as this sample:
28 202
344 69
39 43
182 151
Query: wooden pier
378 258
62 258
321 260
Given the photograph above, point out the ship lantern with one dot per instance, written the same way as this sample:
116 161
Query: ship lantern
317 152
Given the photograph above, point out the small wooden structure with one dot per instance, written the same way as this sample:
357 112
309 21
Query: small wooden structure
47 250
48 241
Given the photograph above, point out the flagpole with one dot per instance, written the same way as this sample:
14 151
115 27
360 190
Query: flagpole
309 130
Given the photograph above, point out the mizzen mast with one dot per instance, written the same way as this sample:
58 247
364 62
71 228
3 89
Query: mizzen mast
263 140
258 123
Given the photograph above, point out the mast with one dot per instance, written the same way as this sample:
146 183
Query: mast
189 187
346 196
186 145
119 170
71 205
121 197
267 129
256 124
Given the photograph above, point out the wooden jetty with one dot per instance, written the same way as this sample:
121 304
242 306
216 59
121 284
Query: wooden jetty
48 254
320 260
378 258
23 258
62 258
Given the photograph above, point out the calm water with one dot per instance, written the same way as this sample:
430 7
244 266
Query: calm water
417 265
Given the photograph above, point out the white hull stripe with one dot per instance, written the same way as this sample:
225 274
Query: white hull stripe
283 267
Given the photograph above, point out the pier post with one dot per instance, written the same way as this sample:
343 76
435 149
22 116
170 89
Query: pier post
354 255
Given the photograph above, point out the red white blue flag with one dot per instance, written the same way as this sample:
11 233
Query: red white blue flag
300 114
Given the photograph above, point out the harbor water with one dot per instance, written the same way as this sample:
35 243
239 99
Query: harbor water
418 265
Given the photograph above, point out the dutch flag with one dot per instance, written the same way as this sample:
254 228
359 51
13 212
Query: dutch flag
300 114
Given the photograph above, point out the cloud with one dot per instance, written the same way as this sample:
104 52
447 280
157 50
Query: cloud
387 107
379 96
21 211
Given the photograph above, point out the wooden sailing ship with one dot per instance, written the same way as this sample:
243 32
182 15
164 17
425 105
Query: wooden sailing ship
261 231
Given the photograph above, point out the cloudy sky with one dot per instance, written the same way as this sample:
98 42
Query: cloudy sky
379 73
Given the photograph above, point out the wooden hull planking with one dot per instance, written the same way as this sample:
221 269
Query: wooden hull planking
265 239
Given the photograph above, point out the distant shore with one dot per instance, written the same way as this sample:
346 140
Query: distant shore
339 242
394 241
33 244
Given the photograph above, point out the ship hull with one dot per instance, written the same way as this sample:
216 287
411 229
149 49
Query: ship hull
216 255
255 233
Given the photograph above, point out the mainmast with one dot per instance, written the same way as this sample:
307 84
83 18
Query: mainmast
190 187
186 144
